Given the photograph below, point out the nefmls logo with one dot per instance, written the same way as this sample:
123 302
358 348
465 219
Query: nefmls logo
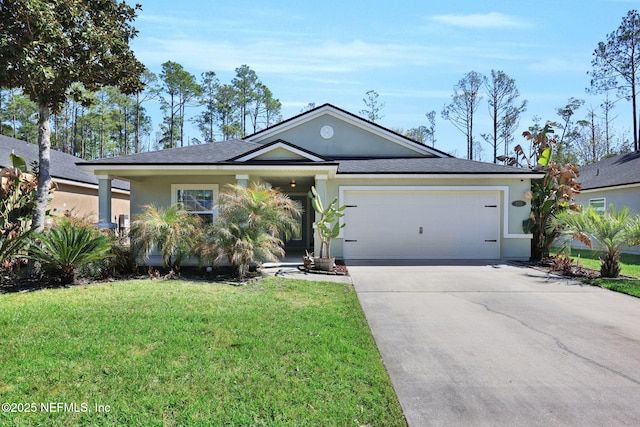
64 407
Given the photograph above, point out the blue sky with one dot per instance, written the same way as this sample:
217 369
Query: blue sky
411 53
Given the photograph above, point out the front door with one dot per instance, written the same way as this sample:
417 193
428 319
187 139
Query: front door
303 239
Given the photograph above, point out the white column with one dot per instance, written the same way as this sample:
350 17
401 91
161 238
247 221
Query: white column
242 180
104 198
321 188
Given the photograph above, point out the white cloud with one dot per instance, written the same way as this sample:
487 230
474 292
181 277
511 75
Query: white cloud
288 57
486 20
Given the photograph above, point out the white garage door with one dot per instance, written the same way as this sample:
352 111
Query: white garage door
421 224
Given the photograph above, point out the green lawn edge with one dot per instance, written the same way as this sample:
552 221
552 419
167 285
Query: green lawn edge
628 283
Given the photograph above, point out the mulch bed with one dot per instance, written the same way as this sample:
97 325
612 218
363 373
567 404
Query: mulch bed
340 269
10 283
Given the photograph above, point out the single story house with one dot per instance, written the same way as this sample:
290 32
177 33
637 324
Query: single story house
76 190
614 180
405 200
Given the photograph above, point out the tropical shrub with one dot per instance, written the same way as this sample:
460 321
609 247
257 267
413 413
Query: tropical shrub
17 200
327 224
250 226
172 231
612 229
552 194
64 248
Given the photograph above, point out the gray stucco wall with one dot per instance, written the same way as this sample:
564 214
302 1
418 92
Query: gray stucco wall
619 197
348 140
157 189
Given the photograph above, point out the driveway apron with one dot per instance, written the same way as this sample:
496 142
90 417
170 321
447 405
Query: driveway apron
501 345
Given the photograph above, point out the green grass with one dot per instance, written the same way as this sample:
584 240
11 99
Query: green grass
630 266
169 353
626 286
629 263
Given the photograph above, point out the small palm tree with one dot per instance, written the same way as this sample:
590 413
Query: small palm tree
173 231
250 227
65 248
612 229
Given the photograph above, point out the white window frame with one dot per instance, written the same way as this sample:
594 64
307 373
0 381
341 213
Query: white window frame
210 187
599 200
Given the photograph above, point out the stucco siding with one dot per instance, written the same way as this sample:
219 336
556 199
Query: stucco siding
619 197
348 140
157 189
82 202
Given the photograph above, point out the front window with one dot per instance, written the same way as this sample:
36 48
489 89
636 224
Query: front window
598 204
198 199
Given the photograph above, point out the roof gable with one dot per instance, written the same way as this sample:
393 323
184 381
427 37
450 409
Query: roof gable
280 150
336 133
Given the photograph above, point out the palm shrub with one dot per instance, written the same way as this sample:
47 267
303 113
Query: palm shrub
65 248
612 229
172 231
250 226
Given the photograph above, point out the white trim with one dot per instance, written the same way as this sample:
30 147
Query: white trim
86 185
231 169
356 121
615 187
321 177
245 176
283 146
212 187
599 199
436 175
500 188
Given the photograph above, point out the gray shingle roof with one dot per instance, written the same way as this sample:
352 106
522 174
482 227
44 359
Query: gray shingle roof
63 166
214 152
429 165
226 152
613 171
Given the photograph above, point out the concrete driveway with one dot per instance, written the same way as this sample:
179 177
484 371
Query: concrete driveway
502 345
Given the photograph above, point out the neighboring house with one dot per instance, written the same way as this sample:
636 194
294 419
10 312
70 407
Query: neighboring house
404 200
76 190
614 180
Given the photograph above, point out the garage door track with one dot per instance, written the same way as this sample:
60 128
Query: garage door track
495 344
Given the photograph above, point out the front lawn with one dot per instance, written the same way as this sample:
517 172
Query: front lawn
164 353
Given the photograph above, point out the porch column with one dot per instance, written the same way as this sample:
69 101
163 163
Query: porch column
104 198
321 188
242 180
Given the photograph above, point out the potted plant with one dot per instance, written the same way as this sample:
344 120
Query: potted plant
328 226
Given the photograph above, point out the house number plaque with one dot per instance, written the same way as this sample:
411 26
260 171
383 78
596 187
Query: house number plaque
518 203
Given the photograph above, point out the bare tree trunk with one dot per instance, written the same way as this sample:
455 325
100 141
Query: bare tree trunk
44 165
136 144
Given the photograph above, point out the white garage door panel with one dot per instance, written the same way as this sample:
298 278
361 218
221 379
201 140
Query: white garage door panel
386 224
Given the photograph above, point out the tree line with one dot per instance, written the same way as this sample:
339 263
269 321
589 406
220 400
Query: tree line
106 123
582 139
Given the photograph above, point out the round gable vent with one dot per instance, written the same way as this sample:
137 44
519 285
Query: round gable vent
326 132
